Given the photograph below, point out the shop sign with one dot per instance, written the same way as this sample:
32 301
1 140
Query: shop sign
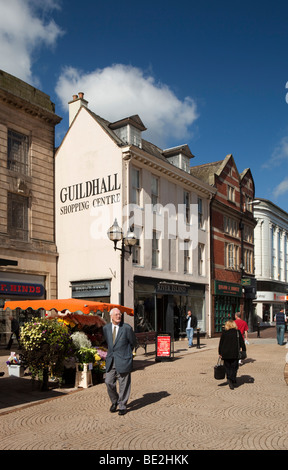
163 347
21 288
77 197
169 288
227 288
90 289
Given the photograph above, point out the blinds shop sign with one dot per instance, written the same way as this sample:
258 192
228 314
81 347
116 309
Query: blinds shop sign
90 194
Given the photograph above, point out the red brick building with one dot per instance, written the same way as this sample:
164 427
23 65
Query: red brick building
232 241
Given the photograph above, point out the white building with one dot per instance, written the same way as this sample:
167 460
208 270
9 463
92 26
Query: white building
271 258
106 171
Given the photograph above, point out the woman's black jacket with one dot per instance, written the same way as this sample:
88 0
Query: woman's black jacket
231 342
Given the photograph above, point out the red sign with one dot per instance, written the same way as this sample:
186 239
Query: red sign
20 288
163 346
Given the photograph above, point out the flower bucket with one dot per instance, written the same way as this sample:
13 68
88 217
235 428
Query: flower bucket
83 377
15 370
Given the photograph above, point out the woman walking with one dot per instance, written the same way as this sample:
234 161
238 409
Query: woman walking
231 342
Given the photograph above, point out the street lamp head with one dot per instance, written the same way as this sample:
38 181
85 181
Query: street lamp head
115 233
130 239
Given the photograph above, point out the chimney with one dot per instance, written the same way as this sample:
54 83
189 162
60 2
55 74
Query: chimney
74 105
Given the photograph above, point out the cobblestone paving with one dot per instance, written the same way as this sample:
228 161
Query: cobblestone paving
175 405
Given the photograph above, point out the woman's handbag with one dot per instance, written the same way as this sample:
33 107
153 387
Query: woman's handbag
219 370
242 354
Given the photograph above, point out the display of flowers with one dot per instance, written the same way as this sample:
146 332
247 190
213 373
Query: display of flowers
45 344
13 360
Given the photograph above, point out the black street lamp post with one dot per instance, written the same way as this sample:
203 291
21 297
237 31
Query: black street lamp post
115 234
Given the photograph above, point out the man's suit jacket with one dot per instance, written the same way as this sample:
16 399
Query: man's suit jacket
121 350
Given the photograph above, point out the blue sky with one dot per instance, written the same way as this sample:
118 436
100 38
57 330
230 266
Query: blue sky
209 74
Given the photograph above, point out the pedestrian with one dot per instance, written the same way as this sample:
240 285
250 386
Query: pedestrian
15 330
121 340
191 324
230 343
242 327
280 319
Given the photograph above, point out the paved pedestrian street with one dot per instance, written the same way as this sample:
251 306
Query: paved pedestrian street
175 406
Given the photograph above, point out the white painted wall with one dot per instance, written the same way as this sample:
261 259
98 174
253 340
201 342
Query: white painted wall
85 252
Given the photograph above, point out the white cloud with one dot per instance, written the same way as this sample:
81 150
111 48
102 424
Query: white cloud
279 155
120 91
22 32
281 188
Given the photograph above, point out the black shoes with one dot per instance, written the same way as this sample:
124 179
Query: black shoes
113 408
231 385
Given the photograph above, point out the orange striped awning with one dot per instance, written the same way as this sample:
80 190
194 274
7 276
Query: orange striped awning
73 305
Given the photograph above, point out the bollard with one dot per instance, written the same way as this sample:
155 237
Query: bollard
198 338
258 329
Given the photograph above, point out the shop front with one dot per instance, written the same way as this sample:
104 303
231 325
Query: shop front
268 304
162 306
226 301
15 286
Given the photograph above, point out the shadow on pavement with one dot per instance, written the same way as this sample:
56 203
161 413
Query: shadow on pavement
146 400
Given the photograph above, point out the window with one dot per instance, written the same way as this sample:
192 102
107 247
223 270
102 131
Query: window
187 259
155 250
230 226
135 137
136 253
172 254
154 190
201 270
231 256
18 152
186 197
200 213
248 261
231 193
17 216
135 196
248 234
248 203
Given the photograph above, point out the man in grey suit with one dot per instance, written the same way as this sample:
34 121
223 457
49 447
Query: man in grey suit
121 340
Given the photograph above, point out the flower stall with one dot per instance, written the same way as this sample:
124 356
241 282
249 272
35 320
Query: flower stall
66 340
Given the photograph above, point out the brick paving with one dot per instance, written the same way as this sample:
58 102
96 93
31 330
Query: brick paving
174 405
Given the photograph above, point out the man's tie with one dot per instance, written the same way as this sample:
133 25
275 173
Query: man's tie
114 334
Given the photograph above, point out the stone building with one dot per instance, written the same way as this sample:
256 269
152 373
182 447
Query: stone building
271 259
27 231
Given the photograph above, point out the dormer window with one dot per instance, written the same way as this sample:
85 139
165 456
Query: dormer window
129 130
179 156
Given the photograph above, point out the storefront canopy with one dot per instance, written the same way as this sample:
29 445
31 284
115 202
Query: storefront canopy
61 305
